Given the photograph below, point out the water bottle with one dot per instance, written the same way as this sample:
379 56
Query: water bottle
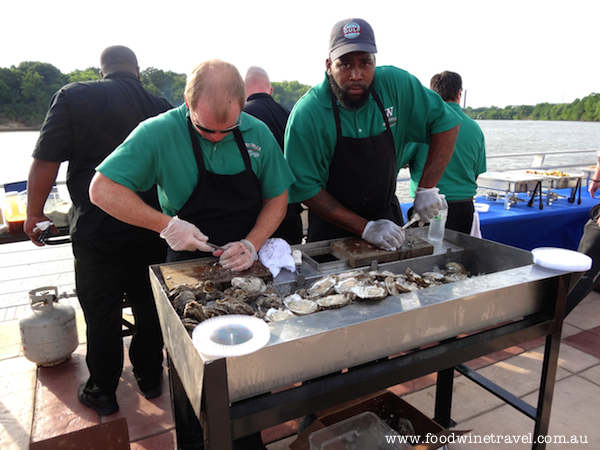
437 225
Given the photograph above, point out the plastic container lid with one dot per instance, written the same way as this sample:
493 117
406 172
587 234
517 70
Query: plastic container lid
561 259
363 431
230 335
482 207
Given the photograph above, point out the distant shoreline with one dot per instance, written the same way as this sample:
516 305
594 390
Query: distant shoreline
17 126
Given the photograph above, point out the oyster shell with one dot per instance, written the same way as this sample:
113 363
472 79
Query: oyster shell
323 286
455 267
452 277
276 315
299 305
333 301
370 292
194 310
350 274
269 302
252 285
234 306
344 286
181 300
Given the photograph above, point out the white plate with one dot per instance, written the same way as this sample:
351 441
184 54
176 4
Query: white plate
482 207
230 335
561 259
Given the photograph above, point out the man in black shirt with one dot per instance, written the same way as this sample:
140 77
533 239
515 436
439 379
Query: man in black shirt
85 123
260 104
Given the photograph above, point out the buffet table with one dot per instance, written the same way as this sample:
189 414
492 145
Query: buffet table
527 227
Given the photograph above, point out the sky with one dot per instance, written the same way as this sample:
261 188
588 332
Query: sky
508 53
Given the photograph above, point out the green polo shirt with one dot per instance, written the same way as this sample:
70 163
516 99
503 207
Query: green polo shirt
468 161
159 151
413 111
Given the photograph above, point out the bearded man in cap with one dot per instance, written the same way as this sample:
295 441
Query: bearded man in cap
344 142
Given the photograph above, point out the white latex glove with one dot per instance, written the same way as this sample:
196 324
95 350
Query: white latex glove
383 233
238 256
182 235
428 203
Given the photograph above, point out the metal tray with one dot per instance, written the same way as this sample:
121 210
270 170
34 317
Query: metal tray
570 180
508 181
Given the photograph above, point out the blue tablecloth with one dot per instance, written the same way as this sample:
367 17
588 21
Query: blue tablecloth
558 225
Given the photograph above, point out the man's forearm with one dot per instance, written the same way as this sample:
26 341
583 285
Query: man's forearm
125 205
440 152
328 208
269 219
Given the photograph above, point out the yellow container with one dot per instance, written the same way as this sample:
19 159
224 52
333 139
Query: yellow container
14 213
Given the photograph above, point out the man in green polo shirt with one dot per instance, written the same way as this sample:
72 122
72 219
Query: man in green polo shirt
344 142
220 173
459 182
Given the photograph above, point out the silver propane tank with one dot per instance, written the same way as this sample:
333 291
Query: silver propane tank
49 330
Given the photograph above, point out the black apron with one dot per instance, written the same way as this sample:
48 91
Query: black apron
223 207
362 177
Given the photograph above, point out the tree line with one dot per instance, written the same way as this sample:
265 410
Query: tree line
586 109
26 90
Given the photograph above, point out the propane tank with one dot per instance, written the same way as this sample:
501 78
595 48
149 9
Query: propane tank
49 330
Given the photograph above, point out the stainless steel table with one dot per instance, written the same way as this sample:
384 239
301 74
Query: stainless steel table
512 301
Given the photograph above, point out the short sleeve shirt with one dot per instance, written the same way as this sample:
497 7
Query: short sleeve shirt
459 181
160 152
413 111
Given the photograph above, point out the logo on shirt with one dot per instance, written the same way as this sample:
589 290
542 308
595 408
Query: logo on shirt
351 30
253 149
389 112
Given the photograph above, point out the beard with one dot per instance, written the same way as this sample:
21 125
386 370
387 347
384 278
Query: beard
351 104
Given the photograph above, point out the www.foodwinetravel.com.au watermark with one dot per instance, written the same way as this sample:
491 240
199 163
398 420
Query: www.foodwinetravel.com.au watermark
487 439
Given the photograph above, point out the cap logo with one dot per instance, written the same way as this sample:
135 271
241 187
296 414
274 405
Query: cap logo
351 30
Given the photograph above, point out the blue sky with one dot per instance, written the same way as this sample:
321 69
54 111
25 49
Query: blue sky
510 52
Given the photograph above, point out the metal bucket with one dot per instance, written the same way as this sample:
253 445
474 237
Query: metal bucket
49 330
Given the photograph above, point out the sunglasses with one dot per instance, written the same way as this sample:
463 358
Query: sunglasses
209 131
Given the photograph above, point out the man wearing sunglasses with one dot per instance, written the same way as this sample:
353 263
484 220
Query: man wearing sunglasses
220 173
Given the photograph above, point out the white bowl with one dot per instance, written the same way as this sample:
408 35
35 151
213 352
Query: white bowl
482 207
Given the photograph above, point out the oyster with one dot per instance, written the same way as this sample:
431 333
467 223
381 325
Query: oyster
322 287
181 300
452 277
369 292
269 302
350 274
344 286
276 315
214 311
235 306
194 310
333 301
189 324
299 305
455 267
252 285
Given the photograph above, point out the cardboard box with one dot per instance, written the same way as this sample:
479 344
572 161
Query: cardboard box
389 407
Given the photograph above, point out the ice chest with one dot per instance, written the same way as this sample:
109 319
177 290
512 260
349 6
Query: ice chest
363 431
388 407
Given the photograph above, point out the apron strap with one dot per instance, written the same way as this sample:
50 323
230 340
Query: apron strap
336 112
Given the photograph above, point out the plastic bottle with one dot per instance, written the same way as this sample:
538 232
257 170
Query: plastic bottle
437 226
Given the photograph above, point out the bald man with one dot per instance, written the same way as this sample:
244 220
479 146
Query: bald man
260 104
85 123
220 173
